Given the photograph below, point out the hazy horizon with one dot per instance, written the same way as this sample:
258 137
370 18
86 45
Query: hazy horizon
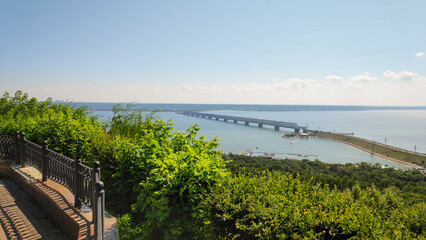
107 106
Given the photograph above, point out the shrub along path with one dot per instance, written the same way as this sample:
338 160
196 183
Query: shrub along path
22 218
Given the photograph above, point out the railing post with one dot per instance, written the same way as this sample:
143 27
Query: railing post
98 201
95 177
17 148
23 149
77 202
45 164
99 210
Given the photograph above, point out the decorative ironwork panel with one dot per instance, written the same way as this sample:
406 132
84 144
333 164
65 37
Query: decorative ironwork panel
7 147
34 155
85 184
61 169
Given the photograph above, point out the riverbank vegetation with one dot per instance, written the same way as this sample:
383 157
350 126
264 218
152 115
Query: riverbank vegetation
164 184
411 184
280 206
382 149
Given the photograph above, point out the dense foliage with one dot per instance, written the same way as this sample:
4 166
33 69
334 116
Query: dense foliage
164 184
412 184
68 130
153 176
278 206
163 175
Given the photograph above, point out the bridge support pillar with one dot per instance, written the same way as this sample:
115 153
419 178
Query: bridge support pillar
297 130
226 120
210 117
277 128
235 121
260 125
217 118
246 123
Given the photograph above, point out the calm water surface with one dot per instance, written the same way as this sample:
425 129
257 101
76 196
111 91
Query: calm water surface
402 128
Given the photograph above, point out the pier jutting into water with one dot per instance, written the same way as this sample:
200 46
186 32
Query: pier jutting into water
247 121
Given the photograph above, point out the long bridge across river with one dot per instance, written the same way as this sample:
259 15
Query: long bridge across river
247 121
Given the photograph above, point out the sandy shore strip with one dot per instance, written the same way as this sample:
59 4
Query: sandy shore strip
410 165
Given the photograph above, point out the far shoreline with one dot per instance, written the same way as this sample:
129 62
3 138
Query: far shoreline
407 164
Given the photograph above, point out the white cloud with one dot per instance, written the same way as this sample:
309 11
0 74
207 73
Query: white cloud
404 76
404 88
355 82
360 81
333 79
292 83
363 78
419 54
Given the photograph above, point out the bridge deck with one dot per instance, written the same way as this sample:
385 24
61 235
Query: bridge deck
246 120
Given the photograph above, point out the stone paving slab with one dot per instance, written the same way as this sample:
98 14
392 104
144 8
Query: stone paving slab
22 218
55 199
64 199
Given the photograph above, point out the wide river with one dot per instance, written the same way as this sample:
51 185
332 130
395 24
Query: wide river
402 128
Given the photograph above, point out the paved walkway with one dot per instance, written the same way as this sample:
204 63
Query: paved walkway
22 218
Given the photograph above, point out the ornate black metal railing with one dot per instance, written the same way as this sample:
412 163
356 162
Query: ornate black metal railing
33 155
7 148
60 169
84 182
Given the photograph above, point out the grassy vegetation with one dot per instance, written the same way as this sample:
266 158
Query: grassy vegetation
387 151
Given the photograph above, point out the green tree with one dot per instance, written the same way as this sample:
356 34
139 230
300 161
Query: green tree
67 129
163 175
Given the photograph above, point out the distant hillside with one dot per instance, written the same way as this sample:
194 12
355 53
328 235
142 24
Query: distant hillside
97 106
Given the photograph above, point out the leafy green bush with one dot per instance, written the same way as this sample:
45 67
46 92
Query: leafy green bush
278 206
158 175
163 175
68 130
412 184
124 224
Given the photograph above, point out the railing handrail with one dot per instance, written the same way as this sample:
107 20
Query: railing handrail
84 182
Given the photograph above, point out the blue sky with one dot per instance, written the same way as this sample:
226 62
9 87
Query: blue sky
259 52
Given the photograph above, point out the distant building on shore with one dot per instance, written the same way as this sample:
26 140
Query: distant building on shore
304 135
